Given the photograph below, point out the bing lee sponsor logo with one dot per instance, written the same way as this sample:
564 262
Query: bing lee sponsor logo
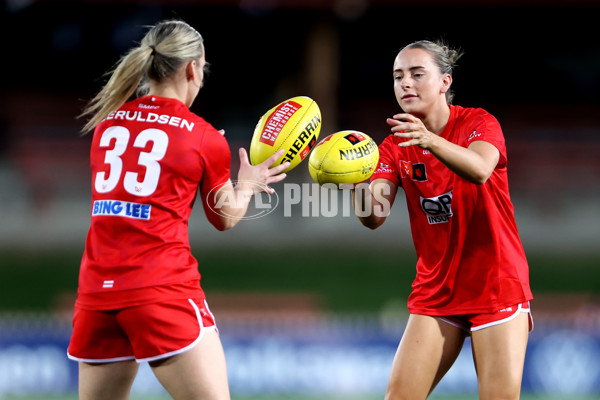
117 208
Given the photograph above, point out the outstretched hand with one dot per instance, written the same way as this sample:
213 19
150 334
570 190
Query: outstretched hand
410 127
261 176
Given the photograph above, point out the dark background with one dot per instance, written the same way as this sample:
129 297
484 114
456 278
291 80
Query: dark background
520 57
535 65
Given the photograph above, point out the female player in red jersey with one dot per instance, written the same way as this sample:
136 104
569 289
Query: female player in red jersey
472 274
139 296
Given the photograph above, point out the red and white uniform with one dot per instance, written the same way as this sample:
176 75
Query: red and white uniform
470 257
148 161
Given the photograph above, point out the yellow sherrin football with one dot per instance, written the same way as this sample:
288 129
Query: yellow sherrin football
343 157
292 125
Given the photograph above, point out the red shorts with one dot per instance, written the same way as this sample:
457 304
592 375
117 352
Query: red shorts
143 333
475 322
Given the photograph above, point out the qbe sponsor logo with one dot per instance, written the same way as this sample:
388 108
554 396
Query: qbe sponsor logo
438 209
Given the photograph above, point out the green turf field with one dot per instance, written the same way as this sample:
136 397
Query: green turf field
343 280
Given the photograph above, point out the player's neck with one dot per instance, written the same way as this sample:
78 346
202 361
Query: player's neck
436 120
169 91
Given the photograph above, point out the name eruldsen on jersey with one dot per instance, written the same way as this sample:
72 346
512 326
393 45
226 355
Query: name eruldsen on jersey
150 117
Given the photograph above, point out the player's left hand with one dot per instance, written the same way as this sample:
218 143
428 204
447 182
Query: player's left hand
261 175
412 128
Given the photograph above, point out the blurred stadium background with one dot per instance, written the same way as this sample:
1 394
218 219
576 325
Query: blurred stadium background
309 305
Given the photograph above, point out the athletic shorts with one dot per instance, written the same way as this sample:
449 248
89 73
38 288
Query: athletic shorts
148 332
474 322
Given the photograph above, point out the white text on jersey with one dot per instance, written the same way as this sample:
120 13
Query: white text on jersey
119 208
142 116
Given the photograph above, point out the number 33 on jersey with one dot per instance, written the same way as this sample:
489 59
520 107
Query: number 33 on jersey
150 160
115 140
148 168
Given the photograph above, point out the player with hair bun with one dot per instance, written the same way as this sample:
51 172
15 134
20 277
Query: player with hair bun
472 274
139 296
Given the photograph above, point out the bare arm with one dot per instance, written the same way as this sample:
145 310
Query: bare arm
229 203
475 163
372 203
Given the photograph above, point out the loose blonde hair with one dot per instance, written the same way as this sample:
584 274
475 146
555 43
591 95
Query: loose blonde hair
163 50
443 56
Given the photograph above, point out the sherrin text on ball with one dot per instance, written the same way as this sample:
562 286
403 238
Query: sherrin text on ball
292 125
343 157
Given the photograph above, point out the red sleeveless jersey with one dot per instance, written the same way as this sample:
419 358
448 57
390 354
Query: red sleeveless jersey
148 161
470 257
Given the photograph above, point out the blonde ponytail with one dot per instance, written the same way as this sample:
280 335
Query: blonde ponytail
125 78
162 51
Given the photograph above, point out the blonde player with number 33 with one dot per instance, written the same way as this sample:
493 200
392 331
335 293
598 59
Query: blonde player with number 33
139 296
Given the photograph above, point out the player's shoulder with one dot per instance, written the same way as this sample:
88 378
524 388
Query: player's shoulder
201 126
472 113
183 111
208 137
389 146
207 130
